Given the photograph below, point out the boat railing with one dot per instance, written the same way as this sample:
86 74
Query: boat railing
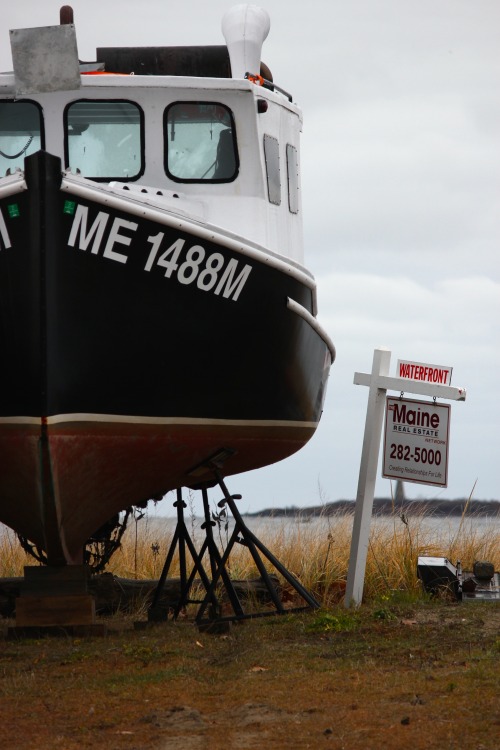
261 81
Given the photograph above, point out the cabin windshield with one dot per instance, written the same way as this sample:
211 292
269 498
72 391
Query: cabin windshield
104 139
200 142
20 133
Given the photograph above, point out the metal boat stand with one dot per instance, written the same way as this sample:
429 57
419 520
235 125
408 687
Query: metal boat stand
210 610
181 538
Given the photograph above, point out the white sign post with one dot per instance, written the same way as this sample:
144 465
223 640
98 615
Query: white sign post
379 382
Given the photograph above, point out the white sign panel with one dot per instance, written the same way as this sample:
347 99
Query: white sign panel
426 373
416 441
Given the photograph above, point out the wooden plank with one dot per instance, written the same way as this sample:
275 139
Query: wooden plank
55 610
52 581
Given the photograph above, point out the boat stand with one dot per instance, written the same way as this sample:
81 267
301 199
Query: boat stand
210 609
181 538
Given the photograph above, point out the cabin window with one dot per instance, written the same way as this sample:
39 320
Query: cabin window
104 139
292 168
21 133
272 157
200 142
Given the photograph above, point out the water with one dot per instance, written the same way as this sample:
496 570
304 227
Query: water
285 527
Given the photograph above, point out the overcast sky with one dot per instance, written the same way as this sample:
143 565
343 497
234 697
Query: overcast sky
401 198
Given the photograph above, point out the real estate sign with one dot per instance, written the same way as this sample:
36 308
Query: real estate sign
416 441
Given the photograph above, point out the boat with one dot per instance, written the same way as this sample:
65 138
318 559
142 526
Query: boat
156 316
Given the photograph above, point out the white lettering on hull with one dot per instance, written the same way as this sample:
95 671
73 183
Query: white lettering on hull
187 266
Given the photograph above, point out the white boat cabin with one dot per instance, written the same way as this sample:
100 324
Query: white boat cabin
182 127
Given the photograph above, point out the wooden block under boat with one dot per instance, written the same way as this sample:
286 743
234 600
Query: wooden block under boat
55 581
62 610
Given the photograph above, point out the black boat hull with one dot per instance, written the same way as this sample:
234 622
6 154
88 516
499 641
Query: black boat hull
135 346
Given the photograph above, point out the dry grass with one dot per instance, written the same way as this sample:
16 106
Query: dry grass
316 552
12 556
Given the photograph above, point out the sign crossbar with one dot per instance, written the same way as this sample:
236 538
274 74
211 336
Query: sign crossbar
405 385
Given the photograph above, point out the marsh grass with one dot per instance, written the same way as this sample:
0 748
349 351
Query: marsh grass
317 552
12 556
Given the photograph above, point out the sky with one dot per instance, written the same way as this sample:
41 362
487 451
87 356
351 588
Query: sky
401 205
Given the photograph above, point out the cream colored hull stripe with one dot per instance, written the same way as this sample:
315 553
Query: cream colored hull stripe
180 421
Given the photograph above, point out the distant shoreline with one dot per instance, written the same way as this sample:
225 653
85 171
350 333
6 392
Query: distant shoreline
386 507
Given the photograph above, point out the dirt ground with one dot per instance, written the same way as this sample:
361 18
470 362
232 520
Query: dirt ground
380 678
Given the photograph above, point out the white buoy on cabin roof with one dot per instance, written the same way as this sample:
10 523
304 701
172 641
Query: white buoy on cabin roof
245 27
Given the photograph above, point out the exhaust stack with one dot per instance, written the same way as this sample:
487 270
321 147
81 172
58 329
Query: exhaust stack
245 27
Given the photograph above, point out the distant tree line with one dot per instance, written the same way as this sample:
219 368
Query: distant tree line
386 506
